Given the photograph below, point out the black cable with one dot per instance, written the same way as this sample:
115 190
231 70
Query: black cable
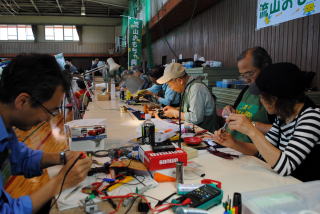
151 197
163 36
131 205
181 101
64 108
162 29
141 182
160 202
64 178
179 121
34 131
190 21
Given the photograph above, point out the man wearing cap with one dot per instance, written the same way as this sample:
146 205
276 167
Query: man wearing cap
250 63
292 146
197 104
163 93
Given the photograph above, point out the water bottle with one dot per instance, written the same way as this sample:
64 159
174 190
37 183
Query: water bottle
148 130
122 93
113 90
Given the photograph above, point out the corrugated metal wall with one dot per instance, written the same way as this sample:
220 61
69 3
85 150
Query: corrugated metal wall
54 47
223 31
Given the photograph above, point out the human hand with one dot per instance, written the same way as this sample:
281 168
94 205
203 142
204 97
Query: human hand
171 112
227 110
144 92
71 154
223 138
77 173
240 123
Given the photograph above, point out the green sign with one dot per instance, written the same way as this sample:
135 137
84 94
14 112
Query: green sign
134 42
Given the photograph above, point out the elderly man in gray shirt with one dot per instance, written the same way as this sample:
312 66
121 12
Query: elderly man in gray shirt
198 104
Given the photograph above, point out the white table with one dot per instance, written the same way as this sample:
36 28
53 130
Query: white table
244 174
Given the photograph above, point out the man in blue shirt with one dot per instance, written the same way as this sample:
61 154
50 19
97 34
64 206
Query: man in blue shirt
31 90
138 72
164 94
73 69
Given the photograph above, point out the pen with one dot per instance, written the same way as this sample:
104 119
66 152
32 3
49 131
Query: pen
72 192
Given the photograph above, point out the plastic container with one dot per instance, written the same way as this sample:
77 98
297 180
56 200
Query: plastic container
192 140
301 198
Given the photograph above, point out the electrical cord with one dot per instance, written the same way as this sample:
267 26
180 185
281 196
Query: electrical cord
162 29
180 106
139 182
190 21
64 178
151 197
131 205
33 132
163 36
154 210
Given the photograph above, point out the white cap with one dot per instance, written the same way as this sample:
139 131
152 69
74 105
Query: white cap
172 71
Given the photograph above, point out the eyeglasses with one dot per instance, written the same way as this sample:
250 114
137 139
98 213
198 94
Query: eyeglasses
247 74
52 113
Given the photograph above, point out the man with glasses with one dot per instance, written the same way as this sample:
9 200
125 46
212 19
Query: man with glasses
250 64
31 91
198 105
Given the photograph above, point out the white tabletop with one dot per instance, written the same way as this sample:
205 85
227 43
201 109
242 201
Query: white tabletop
243 174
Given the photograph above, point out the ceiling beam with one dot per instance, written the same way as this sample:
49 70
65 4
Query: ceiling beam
59 6
35 6
47 2
3 5
9 5
109 4
62 20
16 4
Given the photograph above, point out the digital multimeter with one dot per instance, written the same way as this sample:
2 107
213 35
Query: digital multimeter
203 197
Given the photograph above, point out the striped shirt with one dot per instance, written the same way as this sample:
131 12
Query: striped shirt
299 144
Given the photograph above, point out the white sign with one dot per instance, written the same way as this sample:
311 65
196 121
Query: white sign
272 12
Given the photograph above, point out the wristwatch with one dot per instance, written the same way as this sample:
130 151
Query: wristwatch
63 158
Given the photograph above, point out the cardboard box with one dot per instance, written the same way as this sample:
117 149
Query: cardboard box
87 145
161 160
86 134
104 97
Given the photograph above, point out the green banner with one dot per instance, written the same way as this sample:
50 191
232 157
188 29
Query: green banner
134 42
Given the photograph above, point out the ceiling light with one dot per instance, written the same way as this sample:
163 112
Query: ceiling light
83 11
